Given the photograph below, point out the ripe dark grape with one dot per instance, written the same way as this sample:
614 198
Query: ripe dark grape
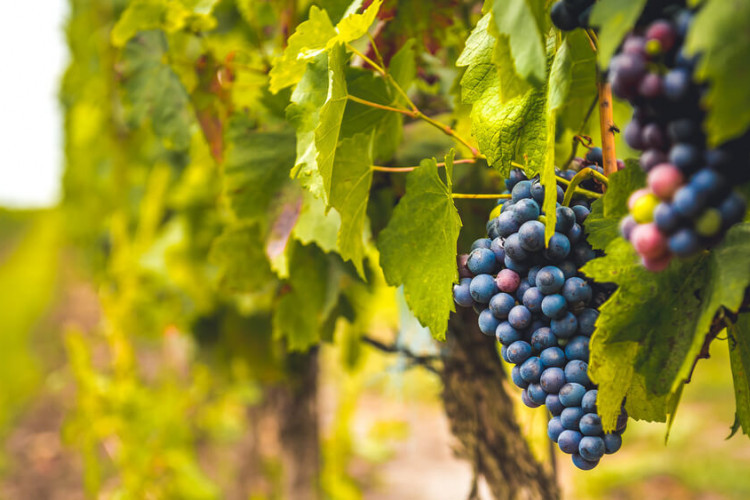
529 294
688 181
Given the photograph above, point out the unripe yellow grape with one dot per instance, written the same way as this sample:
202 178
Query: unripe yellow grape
643 208
495 211
709 223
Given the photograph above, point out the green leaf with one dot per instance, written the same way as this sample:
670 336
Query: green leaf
403 67
602 225
518 20
481 73
560 77
257 165
354 26
331 115
304 114
144 15
728 278
239 255
300 311
615 19
313 37
720 34
578 68
154 91
739 357
418 247
351 179
309 40
316 224
549 180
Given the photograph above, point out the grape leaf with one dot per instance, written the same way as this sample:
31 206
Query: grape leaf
315 225
602 225
300 310
144 15
239 254
418 247
513 132
257 165
615 19
331 115
314 36
309 39
728 278
518 20
303 113
481 74
720 34
739 357
549 180
351 179
154 91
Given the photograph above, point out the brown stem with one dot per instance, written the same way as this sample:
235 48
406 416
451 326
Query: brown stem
608 129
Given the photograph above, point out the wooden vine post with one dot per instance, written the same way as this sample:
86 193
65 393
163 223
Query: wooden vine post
608 128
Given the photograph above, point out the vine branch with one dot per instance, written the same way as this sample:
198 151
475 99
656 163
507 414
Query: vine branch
409 169
417 360
608 128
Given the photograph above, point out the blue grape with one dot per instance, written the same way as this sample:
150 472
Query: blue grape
582 253
558 247
709 182
537 393
568 268
666 218
507 223
519 317
577 371
590 424
566 217
553 356
554 306
501 304
622 421
577 292
482 261
591 448
537 192
526 398
565 327
688 202
522 289
554 428
531 276
513 248
521 191
685 156
595 155
515 375
488 322
481 243
506 334
531 236
684 242
677 84
553 404
504 354
577 348
570 417
581 213
612 443
552 380
569 440
531 369
575 234
516 175
571 394
532 299
732 209
514 265
461 293
492 231
526 210
542 339
582 463
588 403
482 288
550 279
587 321
498 249
519 351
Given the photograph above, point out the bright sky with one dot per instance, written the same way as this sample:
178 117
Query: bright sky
34 58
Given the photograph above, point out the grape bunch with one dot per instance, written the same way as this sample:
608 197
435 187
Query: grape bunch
568 15
690 202
533 300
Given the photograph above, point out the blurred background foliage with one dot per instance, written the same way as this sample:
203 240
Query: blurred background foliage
137 360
